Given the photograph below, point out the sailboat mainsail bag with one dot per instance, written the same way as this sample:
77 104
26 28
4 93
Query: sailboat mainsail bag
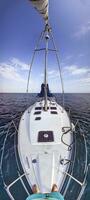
42 7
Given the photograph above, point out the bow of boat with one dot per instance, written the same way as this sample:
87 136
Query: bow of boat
43 144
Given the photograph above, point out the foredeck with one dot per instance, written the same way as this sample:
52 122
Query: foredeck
39 120
40 143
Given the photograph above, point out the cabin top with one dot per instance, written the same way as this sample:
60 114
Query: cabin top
46 126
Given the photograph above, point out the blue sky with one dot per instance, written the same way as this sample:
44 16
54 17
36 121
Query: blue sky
20 26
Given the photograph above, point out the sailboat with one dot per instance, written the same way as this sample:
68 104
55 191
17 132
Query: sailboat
46 133
45 138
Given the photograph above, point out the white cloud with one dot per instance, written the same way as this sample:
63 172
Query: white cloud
17 63
13 70
76 79
14 77
52 74
9 72
74 75
77 85
76 70
82 30
84 80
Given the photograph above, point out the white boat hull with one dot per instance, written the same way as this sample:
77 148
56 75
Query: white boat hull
42 152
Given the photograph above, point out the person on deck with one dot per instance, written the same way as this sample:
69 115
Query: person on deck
54 195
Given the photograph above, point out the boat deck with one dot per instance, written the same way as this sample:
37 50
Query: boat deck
16 181
42 152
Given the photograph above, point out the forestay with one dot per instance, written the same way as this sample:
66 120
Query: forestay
42 7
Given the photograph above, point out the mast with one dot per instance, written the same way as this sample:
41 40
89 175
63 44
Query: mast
42 7
46 60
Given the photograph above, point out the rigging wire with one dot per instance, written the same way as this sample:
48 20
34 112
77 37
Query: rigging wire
60 71
30 67
57 57
46 56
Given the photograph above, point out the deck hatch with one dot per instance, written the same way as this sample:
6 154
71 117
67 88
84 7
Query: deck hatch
38 118
53 108
45 136
54 112
38 108
37 113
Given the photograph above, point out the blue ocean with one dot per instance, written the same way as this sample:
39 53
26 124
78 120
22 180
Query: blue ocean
12 107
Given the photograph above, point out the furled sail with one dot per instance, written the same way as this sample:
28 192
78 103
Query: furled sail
42 7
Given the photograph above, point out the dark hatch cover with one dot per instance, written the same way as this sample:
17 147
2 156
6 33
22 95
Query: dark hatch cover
45 136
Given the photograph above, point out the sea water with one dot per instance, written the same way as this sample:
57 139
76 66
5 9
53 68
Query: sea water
11 108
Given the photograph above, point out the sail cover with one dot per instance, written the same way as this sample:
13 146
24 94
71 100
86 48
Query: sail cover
42 7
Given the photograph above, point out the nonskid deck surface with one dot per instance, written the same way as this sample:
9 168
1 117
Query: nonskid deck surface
42 153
